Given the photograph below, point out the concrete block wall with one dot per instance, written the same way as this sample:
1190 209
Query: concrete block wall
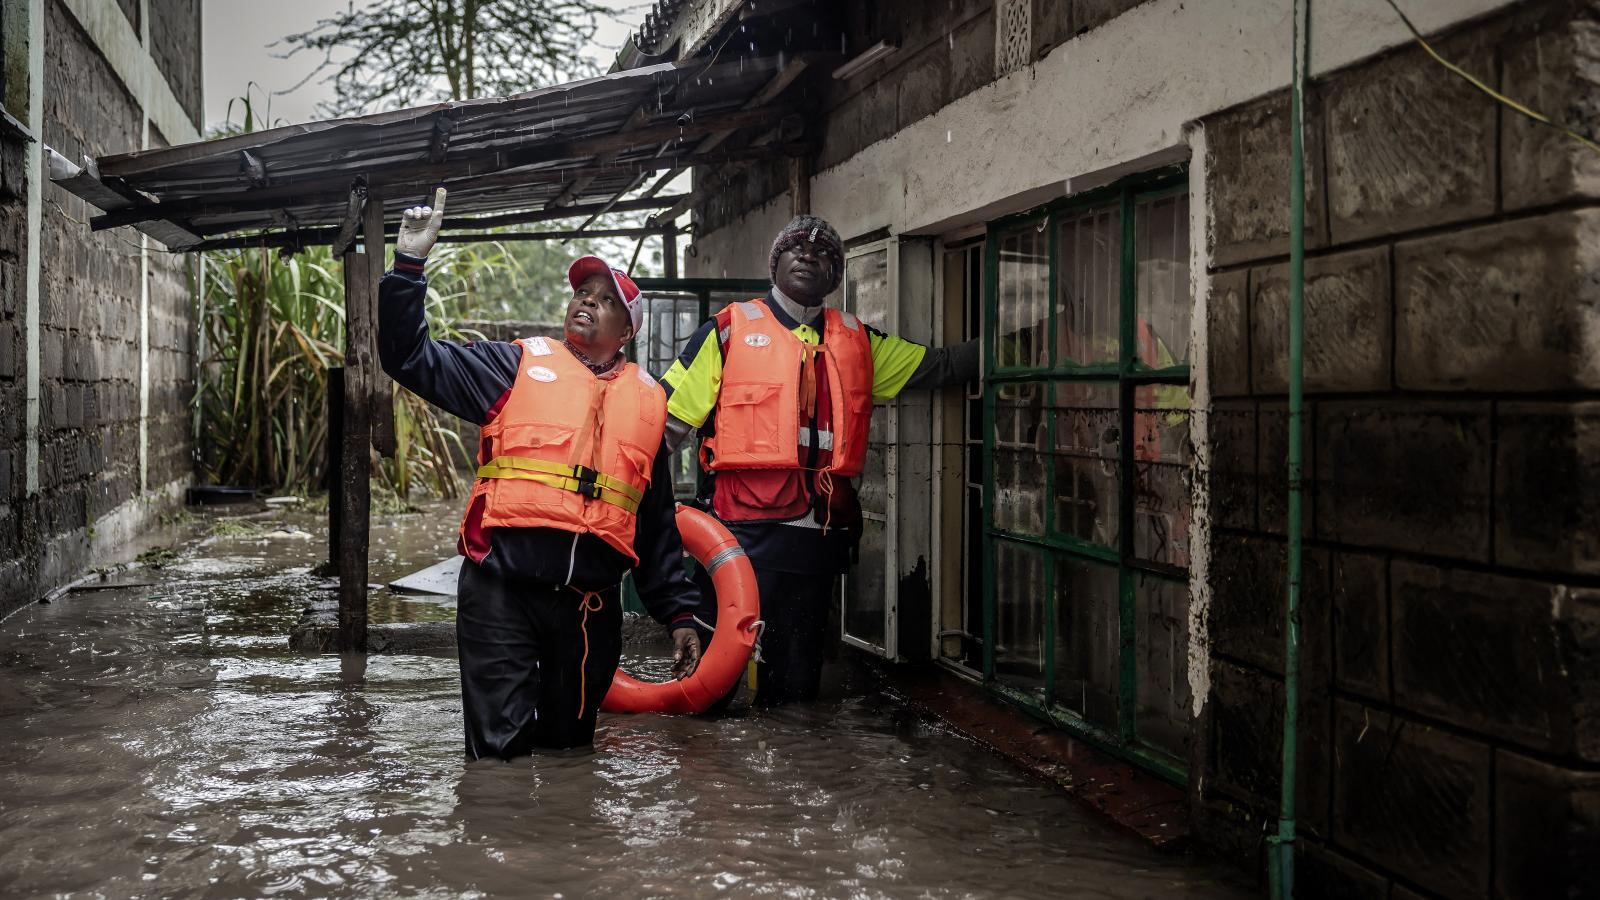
14 521
116 322
1450 740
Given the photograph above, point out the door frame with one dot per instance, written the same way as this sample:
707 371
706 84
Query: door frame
891 470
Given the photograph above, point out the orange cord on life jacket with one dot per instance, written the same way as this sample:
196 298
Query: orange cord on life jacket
591 602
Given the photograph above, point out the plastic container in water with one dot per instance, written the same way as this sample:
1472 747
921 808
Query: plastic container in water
217 495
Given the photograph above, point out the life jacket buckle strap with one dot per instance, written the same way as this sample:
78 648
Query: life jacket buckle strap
587 482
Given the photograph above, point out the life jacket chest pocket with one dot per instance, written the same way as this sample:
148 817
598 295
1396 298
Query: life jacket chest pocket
751 410
531 440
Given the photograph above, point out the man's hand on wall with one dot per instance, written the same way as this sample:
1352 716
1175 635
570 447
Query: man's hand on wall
419 227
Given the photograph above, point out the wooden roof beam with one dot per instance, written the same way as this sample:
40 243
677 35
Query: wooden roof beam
323 191
310 237
509 157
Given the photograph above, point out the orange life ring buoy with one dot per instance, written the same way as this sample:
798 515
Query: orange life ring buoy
738 613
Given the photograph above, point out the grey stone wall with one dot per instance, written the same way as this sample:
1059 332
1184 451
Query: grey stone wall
88 300
14 513
1450 739
175 46
92 284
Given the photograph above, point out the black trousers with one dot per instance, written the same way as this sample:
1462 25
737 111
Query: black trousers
793 642
526 683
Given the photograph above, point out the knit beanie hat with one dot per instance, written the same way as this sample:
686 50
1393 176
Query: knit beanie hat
817 231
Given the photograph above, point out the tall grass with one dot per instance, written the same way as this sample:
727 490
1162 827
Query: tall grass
274 327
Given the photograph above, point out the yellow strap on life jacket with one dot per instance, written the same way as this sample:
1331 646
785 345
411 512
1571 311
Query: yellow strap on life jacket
578 479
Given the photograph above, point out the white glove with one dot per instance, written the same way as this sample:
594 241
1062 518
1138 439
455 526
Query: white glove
419 227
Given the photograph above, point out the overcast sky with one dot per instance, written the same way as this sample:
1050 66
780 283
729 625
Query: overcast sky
237 52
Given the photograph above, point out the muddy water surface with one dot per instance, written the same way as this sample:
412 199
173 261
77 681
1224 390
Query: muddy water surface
159 740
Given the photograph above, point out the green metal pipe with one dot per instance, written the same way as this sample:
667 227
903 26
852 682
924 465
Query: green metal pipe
1282 858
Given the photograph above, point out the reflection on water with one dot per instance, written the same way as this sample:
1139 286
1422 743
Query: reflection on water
161 741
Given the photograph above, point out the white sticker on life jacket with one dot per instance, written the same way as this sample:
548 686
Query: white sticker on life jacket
538 346
751 310
540 373
644 376
757 340
850 321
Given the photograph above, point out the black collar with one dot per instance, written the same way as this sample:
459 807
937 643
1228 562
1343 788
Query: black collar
788 321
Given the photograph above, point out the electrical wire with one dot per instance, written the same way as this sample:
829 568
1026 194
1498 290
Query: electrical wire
1478 83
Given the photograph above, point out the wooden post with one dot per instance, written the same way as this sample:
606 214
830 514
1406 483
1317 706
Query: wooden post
355 467
800 186
382 387
669 252
335 466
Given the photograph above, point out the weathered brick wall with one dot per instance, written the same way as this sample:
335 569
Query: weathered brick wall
947 51
13 388
88 300
172 350
91 289
1450 741
175 46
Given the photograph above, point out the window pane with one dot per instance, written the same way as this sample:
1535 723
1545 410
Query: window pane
1162 646
1161 280
1019 437
1022 305
1088 631
1090 284
1161 454
864 608
1087 456
1019 616
866 288
867 294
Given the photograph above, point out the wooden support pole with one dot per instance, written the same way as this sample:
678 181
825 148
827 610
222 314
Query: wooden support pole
355 467
669 253
335 471
383 428
800 186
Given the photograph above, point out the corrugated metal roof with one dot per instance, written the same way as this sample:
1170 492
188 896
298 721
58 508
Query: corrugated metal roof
585 140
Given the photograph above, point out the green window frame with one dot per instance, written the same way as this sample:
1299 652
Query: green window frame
1085 375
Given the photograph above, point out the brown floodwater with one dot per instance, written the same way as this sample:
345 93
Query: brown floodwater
160 740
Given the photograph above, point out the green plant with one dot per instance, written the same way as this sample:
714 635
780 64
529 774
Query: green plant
158 557
272 328
235 528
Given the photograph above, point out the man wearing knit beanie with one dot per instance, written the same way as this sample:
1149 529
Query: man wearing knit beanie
818 233
782 389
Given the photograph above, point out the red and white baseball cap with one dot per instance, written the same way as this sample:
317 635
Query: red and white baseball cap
585 267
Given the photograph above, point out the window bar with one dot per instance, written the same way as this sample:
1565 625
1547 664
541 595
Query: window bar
1127 693
1048 499
991 285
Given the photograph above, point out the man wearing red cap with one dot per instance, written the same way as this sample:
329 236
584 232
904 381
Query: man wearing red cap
570 494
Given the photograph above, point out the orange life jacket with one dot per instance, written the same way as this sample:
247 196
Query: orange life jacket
570 450
761 415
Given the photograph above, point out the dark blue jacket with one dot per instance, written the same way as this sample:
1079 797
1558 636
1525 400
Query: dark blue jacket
472 381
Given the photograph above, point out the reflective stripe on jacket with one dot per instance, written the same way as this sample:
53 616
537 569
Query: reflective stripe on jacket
570 450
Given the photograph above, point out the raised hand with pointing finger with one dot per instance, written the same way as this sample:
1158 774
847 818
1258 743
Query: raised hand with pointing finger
419 227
